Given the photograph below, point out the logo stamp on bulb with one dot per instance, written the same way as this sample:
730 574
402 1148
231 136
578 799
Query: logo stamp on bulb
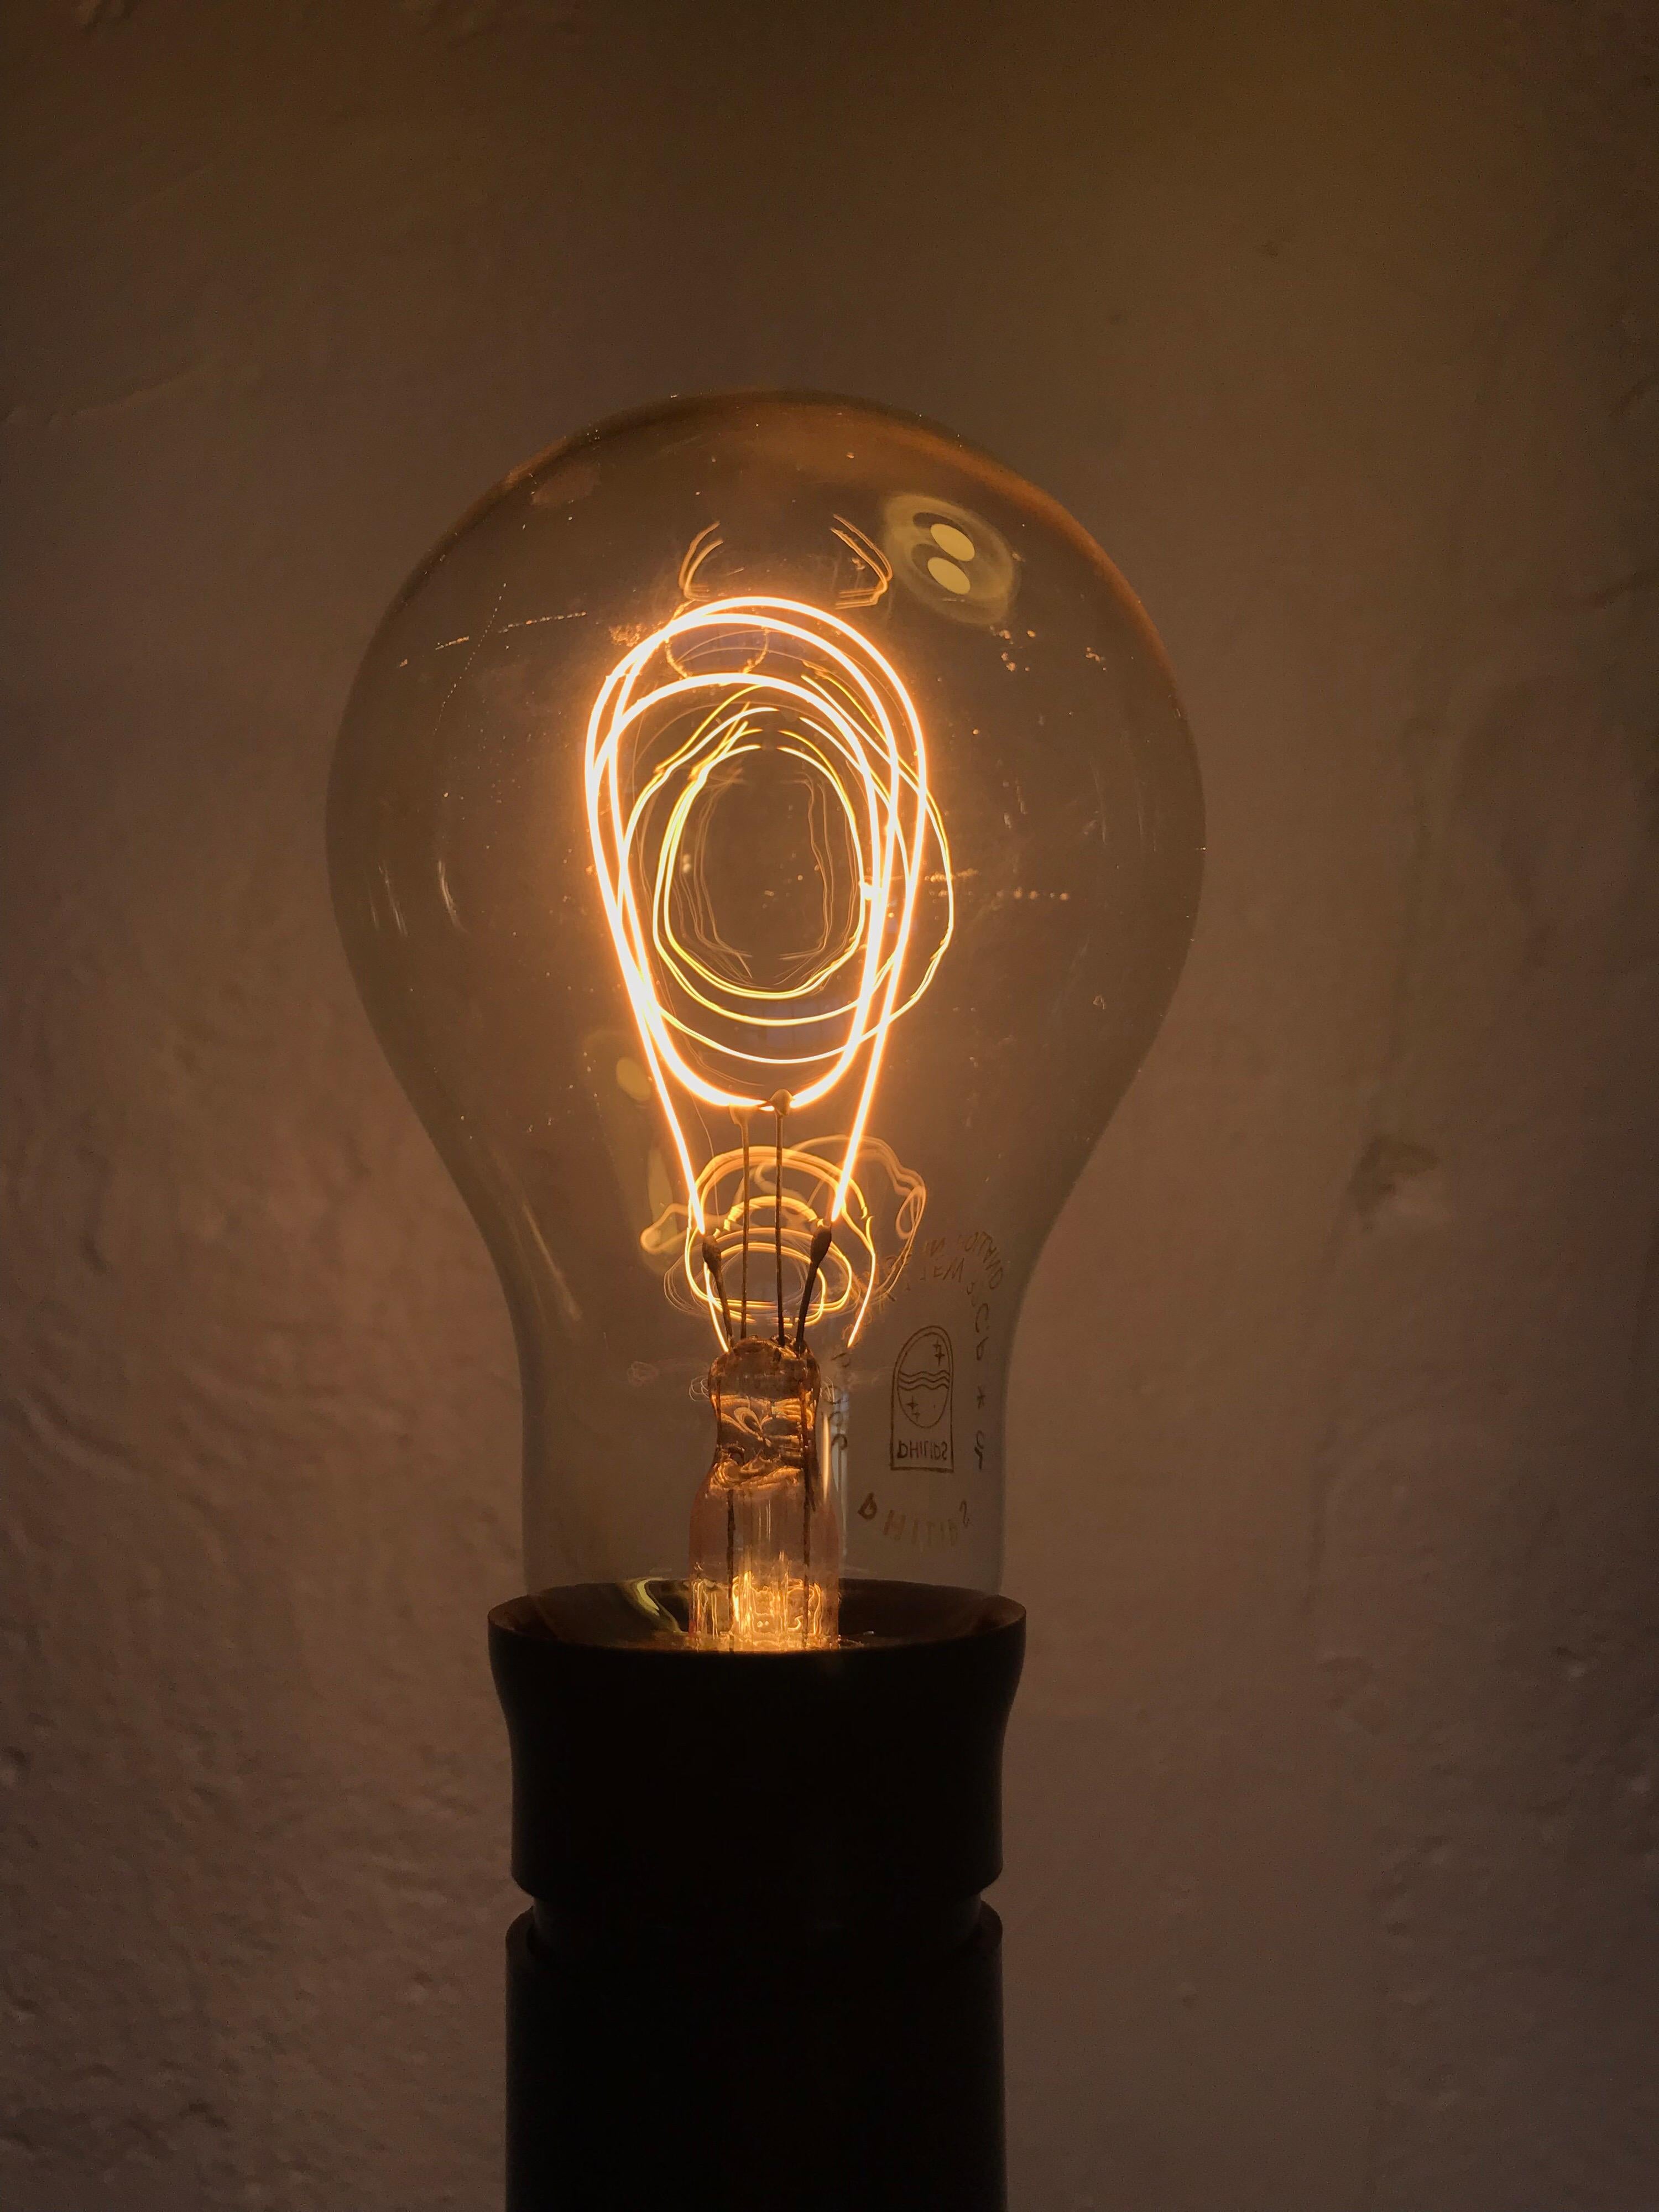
924 1389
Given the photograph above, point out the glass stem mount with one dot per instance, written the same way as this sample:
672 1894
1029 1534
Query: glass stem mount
765 1569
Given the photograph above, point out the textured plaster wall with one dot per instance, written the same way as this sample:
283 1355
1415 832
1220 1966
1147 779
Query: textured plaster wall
1334 1851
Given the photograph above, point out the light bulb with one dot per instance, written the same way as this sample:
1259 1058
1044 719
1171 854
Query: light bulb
766 837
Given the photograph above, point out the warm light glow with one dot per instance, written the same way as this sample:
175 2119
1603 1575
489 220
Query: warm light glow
722 681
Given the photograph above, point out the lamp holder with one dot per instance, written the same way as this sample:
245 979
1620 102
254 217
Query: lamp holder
756 1968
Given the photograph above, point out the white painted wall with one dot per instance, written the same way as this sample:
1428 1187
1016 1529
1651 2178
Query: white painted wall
1334 1820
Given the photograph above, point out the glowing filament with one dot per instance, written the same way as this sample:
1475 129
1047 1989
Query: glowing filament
682 715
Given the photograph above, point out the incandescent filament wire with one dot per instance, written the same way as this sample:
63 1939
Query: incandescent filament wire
681 712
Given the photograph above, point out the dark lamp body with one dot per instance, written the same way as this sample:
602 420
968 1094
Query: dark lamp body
757 1976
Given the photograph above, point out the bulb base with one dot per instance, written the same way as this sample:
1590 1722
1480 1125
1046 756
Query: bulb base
756 1971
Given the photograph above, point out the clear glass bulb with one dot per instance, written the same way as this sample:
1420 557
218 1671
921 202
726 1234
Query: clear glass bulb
766 837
